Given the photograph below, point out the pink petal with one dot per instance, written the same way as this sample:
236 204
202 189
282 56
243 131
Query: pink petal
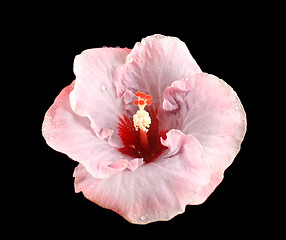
153 65
207 108
94 93
156 191
71 134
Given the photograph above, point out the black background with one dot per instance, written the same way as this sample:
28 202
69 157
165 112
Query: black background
224 42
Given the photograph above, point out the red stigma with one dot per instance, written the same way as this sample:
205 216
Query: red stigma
142 95
148 97
143 99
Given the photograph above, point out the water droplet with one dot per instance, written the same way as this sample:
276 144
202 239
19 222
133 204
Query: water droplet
237 107
144 42
142 218
103 87
50 137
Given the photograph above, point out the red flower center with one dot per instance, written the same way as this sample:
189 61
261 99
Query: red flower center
131 138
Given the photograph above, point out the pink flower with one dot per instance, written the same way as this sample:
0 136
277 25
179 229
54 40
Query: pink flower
146 163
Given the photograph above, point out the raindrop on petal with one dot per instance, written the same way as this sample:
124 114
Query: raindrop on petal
144 42
103 87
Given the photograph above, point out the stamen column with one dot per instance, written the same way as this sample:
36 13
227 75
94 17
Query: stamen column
142 119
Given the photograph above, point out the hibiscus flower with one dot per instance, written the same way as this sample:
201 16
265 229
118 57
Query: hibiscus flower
152 133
